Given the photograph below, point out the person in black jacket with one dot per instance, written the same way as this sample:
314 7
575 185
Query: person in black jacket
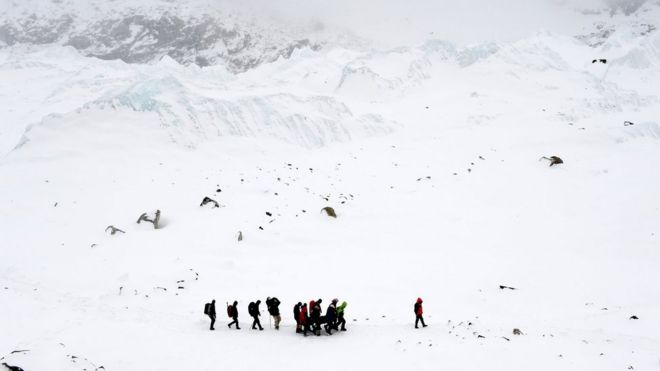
253 310
212 314
331 317
233 311
316 317
273 305
296 316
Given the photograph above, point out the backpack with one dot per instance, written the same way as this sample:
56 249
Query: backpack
207 309
230 311
251 309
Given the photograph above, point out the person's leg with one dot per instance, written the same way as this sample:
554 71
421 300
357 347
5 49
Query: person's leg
416 321
343 324
258 322
422 319
212 322
278 319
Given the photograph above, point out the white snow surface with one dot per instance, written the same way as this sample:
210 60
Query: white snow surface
430 156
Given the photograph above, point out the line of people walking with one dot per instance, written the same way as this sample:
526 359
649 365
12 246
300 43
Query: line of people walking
306 320
309 319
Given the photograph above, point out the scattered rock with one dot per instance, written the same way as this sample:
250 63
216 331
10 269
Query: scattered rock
209 200
634 317
329 211
153 221
502 287
113 229
554 160
12 368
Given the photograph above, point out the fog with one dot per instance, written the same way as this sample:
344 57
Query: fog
395 22
466 21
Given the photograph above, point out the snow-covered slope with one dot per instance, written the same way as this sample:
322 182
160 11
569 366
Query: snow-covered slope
429 154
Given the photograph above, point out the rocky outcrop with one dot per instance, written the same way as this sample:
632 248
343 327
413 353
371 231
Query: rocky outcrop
142 38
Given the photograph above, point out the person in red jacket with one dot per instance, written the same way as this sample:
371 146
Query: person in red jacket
303 319
419 312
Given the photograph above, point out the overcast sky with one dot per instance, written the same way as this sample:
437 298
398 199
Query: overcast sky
396 22
462 21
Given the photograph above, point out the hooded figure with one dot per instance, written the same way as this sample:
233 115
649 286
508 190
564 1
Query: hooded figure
253 310
273 305
296 317
331 317
315 314
233 309
340 316
212 314
304 319
419 312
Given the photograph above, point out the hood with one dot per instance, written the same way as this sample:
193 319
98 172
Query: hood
419 301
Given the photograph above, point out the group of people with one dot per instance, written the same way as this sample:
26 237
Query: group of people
309 319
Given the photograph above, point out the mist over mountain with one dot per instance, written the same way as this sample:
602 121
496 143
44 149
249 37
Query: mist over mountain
243 35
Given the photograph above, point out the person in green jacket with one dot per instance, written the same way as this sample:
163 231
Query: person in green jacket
340 316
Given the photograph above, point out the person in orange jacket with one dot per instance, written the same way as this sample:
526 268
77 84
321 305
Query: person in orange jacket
419 312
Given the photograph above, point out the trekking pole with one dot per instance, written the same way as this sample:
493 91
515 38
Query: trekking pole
269 319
